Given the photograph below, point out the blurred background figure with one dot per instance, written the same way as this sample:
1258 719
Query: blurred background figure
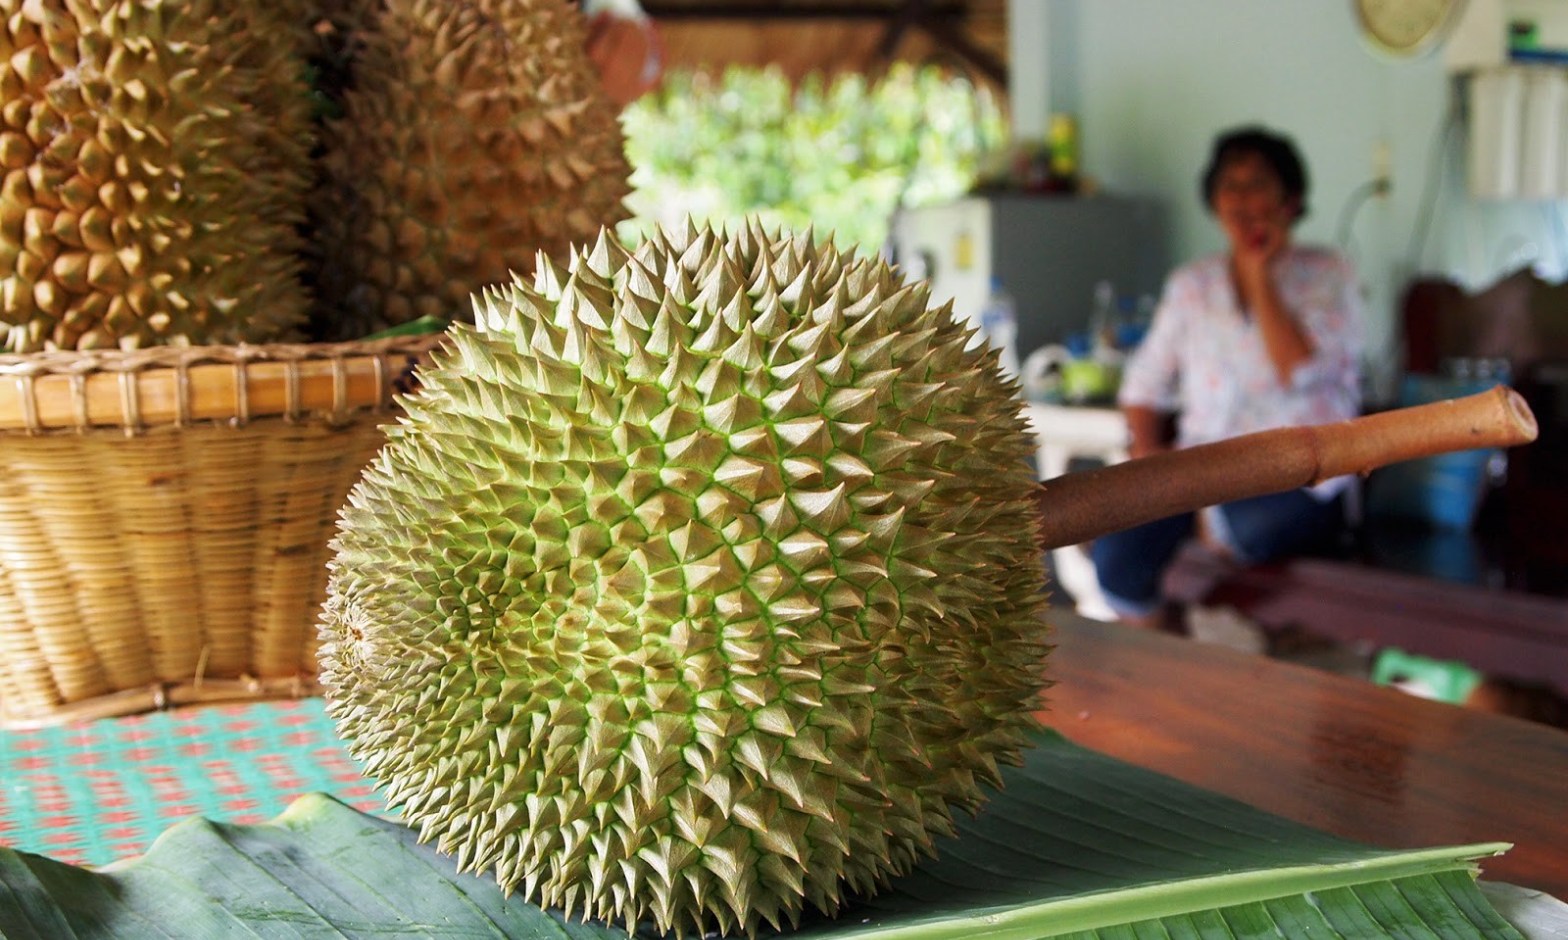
623 45
1263 335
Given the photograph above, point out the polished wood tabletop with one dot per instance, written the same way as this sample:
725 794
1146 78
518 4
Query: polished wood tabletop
1334 752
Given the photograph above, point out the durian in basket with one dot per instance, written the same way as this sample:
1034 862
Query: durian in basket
172 186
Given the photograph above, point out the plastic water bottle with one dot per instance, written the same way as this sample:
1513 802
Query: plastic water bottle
1103 318
999 325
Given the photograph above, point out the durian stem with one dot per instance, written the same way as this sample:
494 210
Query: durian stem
1077 507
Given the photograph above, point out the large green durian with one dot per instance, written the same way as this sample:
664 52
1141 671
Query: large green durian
695 585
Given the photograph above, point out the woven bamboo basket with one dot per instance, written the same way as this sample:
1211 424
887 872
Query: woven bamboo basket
165 515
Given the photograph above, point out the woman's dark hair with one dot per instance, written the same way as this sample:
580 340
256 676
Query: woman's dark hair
1275 150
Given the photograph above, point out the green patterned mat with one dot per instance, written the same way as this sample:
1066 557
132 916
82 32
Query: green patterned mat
98 791
1074 846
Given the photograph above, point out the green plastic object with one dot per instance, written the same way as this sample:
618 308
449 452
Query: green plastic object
1441 679
412 328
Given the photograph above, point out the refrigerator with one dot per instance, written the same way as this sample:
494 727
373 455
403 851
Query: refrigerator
1049 251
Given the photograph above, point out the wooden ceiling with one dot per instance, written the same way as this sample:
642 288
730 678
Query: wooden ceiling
833 36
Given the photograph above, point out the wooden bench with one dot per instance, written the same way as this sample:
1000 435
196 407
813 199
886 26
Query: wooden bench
1516 635
1511 635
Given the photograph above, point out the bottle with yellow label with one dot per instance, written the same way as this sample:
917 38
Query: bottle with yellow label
1062 144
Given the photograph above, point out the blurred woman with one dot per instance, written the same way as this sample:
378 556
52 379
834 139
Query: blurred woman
1264 335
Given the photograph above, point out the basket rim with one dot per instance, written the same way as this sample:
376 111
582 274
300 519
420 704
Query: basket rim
70 362
134 389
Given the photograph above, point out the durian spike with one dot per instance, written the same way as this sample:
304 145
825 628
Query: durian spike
1077 507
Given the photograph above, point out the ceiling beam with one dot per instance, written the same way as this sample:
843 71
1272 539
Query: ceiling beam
943 21
721 10
955 39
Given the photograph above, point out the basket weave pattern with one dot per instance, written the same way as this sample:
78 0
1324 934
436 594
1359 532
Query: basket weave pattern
165 515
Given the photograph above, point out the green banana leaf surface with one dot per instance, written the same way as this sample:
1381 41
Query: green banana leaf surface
1076 845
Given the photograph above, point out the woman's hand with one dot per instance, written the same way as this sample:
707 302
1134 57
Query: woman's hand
1255 244
1145 431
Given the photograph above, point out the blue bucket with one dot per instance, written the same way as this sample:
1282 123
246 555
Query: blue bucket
1443 491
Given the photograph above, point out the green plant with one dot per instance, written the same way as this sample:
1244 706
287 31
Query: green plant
839 154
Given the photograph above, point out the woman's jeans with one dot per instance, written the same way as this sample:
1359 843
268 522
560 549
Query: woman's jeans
1131 563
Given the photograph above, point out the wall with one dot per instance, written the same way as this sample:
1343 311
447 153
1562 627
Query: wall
1153 80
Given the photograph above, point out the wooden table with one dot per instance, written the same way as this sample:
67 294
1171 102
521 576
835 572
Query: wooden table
1333 752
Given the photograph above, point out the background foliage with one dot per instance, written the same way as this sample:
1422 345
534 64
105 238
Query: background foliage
839 154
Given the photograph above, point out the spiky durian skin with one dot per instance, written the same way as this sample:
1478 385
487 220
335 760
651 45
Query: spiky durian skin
693 586
155 169
474 133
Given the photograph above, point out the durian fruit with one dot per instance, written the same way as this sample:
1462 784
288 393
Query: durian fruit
695 585
473 134
155 171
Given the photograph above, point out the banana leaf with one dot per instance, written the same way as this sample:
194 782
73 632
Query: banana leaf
1075 845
